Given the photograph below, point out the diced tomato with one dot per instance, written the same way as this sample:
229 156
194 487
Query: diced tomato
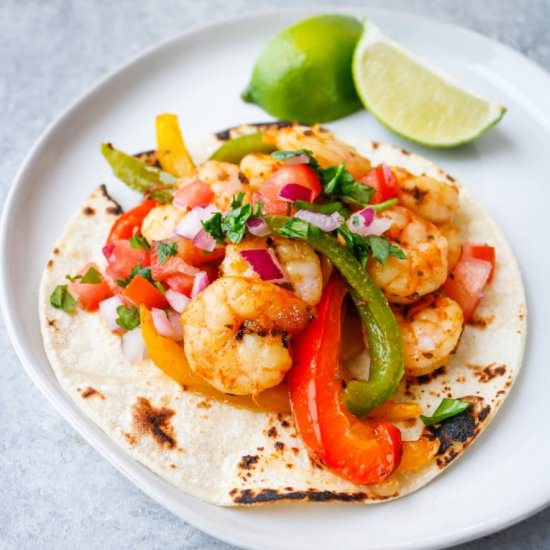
466 283
183 283
194 194
90 294
384 183
272 204
172 265
130 222
302 174
123 258
141 292
195 256
481 252
180 283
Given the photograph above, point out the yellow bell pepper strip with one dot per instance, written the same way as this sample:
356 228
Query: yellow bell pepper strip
394 412
383 334
233 150
169 357
144 178
171 150
417 454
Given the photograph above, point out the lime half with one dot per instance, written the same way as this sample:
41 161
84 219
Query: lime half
414 100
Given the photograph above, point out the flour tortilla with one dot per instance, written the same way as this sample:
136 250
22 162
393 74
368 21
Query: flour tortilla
229 456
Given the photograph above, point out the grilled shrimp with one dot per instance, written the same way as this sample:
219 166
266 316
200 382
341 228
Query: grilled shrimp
160 222
258 168
298 260
224 178
434 200
450 232
328 150
430 331
425 267
236 333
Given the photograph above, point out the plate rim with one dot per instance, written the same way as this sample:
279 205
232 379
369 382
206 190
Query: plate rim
78 420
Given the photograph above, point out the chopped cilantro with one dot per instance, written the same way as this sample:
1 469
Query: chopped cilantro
128 317
61 299
234 223
92 276
137 270
165 251
361 247
237 200
213 226
337 181
139 242
446 409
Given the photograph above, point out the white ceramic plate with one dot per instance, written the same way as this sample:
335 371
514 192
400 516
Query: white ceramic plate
199 75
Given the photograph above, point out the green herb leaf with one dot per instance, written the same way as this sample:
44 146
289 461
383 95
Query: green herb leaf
61 299
165 251
237 200
234 223
295 228
213 226
137 270
327 208
446 409
339 182
361 247
139 242
128 317
92 276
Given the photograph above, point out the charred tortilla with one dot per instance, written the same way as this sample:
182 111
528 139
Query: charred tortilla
229 456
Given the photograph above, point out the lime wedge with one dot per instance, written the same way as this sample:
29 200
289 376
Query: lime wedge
414 100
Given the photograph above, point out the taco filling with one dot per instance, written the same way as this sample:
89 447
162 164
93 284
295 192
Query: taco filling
308 319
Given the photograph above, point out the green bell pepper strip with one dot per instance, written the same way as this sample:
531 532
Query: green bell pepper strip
235 149
138 175
384 337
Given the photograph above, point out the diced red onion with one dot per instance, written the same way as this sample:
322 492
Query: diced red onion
295 192
367 214
108 250
200 282
297 159
133 345
258 227
204 241
107 310
177 300
163 325
264 263
191 224
377 226
323 221
175 321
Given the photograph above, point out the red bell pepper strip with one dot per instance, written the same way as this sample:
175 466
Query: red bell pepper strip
362 451
130 221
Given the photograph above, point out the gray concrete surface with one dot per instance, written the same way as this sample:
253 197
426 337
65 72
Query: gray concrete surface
55 491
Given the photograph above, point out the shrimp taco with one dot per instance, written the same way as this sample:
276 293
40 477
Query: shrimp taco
285 316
